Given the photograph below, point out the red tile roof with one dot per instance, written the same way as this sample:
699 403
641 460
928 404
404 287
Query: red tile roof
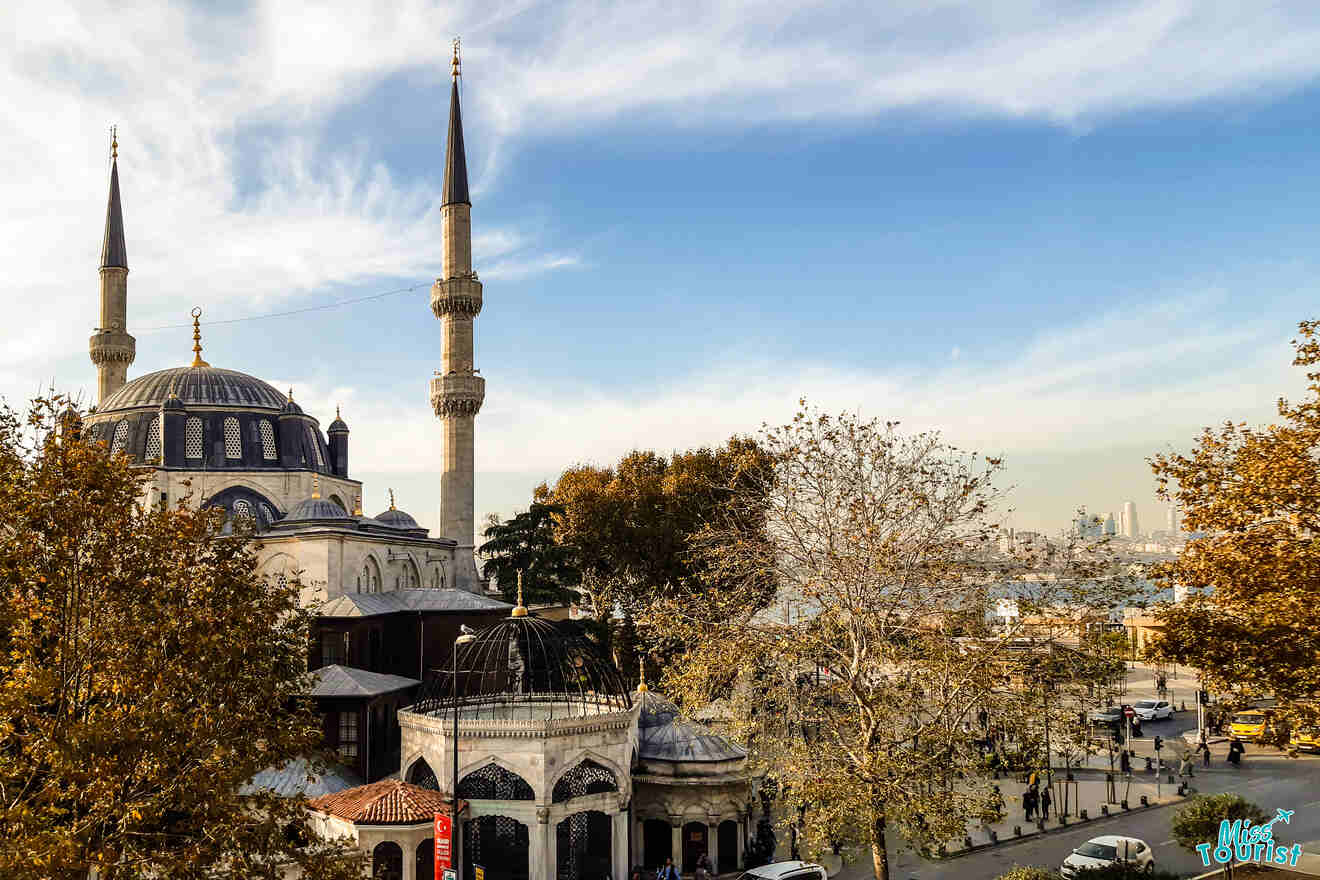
387 802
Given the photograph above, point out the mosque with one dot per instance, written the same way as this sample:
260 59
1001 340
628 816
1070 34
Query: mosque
560 768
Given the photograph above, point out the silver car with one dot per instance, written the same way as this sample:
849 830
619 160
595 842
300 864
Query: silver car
1099 852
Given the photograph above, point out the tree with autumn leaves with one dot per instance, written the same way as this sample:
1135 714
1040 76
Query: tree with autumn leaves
1251 619
858 682
148 673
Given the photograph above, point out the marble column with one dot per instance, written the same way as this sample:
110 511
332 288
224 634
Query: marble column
742 838
676 841
638 842
540 863
713 843
619 850
410 863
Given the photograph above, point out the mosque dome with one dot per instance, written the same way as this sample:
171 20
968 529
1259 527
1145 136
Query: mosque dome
527 668
315 508
663 735
194 386
396 519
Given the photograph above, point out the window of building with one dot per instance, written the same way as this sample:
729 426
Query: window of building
233 439
332 649
270 513
192 438
242 509
120 439
152 452
268 450
348 734
369 577
316 447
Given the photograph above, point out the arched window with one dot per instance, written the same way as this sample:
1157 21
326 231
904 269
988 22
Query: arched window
152 452
369 578
192 438
422 776
387 861
270 513
586 778
494 783
121 437
233 438
438 577
268 450
243 509
411 579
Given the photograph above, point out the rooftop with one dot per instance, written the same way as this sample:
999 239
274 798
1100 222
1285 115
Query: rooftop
349 681
371 604
387 802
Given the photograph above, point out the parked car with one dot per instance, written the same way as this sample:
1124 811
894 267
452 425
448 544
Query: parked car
796 870
1305 739
1110 849
1252 724
1107 716
1153 710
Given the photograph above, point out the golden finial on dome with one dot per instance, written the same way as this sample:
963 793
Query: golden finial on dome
336 410
392 507
455 66
290 394
357 504
197 339
316 485
114 142
641 675
519 610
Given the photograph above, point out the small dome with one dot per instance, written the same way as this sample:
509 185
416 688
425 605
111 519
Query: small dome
201 386
289 408
315 509
665 736
526 668
172 404
396 519
337 426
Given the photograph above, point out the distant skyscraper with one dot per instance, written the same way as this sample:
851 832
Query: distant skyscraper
1130 529
1110 527
1174 523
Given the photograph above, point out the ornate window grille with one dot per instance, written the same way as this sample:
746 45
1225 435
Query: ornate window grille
121 437
270 513
586 778
422 776
152 452
192 438
500 844
494 783
242 509
268 450
348 734
233 439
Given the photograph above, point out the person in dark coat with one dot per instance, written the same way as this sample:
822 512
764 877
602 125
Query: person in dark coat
1125 761
1029 803
1045 800
1235 750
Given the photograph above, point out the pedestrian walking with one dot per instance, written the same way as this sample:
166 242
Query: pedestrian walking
668 871
1185 766
1045 801
1125 761
1205 753
1029 803
1235 750
702 871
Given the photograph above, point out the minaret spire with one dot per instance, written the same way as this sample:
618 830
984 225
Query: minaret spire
457 391
111 348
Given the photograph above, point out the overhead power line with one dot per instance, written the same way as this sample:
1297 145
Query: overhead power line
304 310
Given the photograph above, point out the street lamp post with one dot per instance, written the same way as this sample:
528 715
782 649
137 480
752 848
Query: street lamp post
465 636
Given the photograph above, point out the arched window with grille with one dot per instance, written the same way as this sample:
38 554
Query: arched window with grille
369 579
120 441
152 451
268 449
587 777
495 783
233 438
192 438
242 509
270 513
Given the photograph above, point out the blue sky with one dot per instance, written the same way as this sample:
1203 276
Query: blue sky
1069 233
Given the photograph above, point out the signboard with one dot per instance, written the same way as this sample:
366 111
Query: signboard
442 845
1129 711
478 872
450 874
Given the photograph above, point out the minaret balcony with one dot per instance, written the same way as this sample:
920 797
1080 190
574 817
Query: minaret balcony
112 346
458 394
456 296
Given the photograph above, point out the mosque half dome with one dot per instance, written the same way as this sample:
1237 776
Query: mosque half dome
195 386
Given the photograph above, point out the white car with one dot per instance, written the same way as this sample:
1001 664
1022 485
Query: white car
1110 849
1153 710
796 870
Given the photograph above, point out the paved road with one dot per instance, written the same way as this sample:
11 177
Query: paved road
1266 778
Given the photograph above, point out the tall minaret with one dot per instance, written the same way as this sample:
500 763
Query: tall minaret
457 391
111 348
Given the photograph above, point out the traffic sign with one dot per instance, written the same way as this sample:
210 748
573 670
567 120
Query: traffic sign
450 874
1129 711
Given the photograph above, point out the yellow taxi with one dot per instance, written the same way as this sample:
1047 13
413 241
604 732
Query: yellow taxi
1305 739
1251 724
